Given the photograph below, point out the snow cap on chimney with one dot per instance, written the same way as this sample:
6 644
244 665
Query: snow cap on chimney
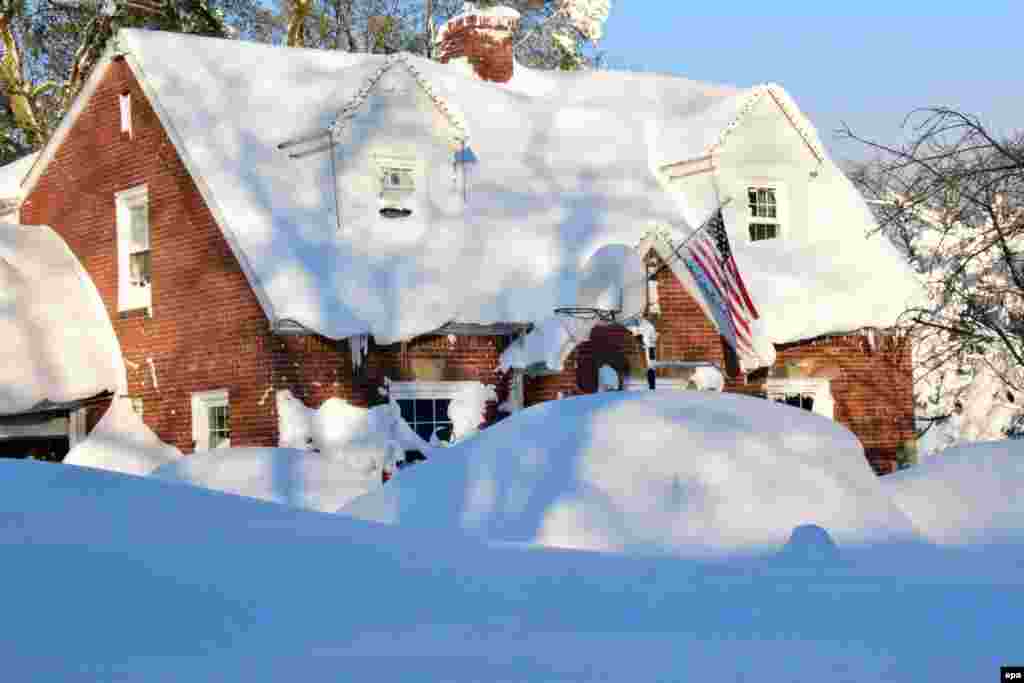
483 37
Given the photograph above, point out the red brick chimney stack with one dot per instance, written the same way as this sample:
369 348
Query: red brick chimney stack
484 38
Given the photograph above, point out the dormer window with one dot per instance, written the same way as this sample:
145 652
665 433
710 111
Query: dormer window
397 186
763 203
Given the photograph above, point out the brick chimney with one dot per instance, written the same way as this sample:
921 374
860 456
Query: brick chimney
483 37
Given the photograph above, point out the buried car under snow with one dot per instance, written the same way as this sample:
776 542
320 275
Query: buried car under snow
687 473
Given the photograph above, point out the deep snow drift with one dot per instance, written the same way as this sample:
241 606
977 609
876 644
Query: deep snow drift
689 473
966 495
156 583
299 478
121 442
327 456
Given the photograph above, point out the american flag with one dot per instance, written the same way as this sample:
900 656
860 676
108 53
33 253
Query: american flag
709 259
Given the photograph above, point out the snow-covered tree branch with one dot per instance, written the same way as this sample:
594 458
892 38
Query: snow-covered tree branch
951 196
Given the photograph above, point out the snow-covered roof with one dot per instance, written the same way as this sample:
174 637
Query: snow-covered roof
58 343
558 166
11 176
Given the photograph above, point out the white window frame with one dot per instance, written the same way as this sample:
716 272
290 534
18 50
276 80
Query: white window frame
77 431
781 199
429 390
660 384
651 268
130 296
407 168
202 401
819 388
125 105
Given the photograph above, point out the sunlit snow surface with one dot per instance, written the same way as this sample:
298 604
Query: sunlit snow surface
559 165
139 580
965 495
298 478
56 342
688 473
121 442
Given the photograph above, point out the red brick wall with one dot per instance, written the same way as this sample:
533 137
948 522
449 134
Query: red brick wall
314 368
485 41
207 330
872 388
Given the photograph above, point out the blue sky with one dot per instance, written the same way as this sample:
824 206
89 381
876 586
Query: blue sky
868 63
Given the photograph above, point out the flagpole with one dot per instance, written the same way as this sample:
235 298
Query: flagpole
707 221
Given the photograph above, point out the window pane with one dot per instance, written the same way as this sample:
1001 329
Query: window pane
139 267
424 410
441 406
219 418
444 431
425 429
406 407
139 227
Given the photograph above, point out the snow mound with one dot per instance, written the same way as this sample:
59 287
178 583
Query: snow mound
687 473
809 543
367 437
58 343
299 478
966 494
121 442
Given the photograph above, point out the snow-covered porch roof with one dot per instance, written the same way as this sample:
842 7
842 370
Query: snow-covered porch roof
58 344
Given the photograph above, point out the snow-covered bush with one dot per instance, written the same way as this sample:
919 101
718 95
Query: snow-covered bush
468 409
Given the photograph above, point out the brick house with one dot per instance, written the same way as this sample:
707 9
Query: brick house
232 268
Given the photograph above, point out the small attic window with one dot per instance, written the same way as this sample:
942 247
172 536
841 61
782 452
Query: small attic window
764 213
125 101
397 185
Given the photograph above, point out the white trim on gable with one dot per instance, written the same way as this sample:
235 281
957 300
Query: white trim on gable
705 162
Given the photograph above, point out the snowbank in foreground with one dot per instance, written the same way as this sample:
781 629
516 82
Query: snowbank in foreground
121 442
689 473
157 583
966 494
293 477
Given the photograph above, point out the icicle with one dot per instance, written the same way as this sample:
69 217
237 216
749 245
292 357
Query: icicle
359 346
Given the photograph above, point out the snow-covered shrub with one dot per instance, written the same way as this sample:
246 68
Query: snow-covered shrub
467 410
